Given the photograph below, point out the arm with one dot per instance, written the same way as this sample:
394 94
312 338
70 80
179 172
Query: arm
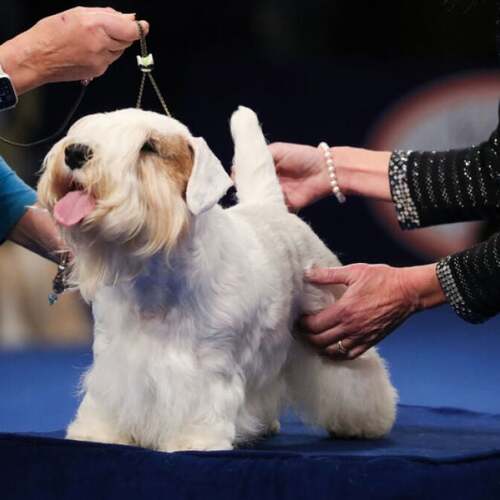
23 223
363 316
304 177
77 44
37 231
470 280
431 188
469 188
426 187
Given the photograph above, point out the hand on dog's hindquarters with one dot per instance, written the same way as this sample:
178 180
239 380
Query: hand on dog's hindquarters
378 298
77 44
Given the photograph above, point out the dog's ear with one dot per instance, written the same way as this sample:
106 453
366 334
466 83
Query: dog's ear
208 181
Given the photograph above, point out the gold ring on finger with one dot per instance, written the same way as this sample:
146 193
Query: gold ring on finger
341 348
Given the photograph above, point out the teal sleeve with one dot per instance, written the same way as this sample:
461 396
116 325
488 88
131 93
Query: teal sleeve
15 197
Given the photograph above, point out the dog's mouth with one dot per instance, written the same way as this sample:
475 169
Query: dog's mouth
74 206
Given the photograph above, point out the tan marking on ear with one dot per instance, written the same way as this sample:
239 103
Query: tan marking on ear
163 176
177 156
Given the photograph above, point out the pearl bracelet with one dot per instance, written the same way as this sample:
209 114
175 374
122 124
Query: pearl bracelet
331 172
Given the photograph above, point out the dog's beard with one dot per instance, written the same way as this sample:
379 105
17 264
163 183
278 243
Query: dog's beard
135 218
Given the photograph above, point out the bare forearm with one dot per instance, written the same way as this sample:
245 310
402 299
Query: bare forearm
77 44
16 60
423 286
363 172
37 232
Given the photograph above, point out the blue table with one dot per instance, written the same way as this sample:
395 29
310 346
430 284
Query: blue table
446 442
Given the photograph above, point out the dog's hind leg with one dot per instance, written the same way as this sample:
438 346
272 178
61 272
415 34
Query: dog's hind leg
254 173
350 399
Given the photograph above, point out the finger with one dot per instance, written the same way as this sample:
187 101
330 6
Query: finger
342 349
145 27
115 45
328 338
330 275
122 28
106 58
278 150
324 320
292 207
357 351
343 346
109 10
333 352
114 55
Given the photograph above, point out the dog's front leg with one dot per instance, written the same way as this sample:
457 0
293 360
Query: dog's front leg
215 437
92 424
208 418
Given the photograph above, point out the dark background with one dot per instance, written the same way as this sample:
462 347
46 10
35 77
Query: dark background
313 70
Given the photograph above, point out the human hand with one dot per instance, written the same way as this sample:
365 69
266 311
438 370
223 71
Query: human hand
302 173
378 298
77 44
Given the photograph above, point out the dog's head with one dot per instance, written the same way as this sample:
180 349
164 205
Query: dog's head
129 182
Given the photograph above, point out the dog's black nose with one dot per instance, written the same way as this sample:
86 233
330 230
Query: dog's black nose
76 155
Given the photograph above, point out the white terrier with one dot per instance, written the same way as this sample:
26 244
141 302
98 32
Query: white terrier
195 306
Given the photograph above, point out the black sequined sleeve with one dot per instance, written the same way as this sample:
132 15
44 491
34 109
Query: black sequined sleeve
471 280
431 188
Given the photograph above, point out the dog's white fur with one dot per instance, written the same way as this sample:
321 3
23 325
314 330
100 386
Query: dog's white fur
194 305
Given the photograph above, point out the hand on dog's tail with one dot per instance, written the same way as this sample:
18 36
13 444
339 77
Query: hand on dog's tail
253 171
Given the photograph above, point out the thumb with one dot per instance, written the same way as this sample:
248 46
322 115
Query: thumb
329 275
278 150
145 27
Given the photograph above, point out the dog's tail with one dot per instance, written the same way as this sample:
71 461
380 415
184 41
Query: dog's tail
253 166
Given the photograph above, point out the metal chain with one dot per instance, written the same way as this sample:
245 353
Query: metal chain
145 62
141 91
146 65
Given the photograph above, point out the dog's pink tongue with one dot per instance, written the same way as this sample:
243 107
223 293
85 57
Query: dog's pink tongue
73 207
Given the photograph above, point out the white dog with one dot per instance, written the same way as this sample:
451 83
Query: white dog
194 305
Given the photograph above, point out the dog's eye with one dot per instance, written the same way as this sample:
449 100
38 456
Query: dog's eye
149 147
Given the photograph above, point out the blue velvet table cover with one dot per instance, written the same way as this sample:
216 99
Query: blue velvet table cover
431 453
436 361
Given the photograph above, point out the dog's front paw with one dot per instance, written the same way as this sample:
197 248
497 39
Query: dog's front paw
191 443
98 439
81 433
